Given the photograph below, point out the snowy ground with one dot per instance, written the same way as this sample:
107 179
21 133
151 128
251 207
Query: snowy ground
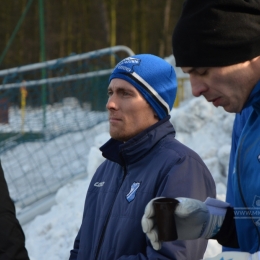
36 169
199 125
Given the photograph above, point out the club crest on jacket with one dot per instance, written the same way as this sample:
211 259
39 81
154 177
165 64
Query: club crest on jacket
131 195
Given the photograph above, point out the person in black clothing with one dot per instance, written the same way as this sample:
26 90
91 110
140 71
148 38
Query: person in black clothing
12 239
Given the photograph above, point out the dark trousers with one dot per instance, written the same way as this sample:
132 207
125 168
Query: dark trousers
12 239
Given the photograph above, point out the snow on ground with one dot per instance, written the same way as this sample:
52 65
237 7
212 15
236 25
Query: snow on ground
36 169
198 124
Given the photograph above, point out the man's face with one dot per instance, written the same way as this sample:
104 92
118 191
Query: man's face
129 113
228 86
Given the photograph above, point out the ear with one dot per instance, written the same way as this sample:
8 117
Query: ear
255 64
256 60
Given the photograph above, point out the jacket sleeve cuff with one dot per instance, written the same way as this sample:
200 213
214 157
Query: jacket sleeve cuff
227 235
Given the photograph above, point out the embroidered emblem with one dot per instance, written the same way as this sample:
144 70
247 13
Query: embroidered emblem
127 65
131 195
99 184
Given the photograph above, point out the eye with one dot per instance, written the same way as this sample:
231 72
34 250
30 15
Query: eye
109 93
202 71
126 93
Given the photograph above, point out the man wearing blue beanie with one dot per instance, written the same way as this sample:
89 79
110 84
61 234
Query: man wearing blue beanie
143 161
155 79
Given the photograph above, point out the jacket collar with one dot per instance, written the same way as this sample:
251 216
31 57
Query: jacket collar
138 146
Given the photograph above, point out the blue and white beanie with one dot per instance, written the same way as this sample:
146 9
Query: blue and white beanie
153 77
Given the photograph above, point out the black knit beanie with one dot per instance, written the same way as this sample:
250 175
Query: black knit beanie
216 33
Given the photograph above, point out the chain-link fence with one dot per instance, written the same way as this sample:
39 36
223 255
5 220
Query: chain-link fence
47 113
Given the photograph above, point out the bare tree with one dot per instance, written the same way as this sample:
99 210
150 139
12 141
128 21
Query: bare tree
163 41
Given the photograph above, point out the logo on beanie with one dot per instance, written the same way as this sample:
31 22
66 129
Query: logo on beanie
127 65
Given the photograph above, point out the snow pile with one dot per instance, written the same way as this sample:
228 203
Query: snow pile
198 124
206 130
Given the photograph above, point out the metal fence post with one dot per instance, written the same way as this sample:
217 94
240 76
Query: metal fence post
42 58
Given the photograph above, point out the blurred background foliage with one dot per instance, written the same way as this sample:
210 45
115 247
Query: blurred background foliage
79 26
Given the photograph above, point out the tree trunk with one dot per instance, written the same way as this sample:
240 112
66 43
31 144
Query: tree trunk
103 14
62 32
143 26
113 28
163 41
134 26
69 11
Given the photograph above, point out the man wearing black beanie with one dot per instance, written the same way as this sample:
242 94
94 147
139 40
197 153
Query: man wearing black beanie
218 43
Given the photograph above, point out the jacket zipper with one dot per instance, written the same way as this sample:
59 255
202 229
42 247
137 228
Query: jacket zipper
108 217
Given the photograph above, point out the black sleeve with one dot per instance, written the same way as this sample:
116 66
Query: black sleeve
227 235
12 239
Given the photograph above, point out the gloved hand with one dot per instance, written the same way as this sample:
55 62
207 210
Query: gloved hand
194 219
148 224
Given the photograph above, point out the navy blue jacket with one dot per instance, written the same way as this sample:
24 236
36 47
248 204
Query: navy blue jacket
149 165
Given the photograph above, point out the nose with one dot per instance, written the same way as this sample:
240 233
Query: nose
111 103
198 87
